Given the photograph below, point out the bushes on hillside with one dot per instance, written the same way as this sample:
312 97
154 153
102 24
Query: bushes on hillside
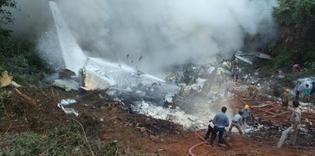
296 21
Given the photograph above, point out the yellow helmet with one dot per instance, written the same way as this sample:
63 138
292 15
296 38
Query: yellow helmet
246 106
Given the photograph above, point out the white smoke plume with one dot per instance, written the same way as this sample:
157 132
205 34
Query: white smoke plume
154 34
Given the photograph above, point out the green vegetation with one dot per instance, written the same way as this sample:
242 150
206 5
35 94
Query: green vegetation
296 20
295 14
18 56
58 142
5 14
3 95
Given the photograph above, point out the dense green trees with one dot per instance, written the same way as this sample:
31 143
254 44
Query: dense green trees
5 16
295 12
298 16
18 56
5 13
296 43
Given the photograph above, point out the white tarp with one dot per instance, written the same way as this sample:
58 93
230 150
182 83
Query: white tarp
301 83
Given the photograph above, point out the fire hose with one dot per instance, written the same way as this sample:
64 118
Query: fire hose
190 153
194 146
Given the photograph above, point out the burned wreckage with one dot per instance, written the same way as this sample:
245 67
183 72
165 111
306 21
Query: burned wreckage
118 79
143 93
122 82
125 83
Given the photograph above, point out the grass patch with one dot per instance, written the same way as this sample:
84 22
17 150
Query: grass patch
61 141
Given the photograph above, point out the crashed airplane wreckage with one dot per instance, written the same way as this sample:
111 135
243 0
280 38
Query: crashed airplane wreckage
125 83
120 81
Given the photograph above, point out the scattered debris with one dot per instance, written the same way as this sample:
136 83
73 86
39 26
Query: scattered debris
66 74
244 59
242 56
91 81
67 102
263 56
174 115
16 85
6 80
248 57
67 85
26 98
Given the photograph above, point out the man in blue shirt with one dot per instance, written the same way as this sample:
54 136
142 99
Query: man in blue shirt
237 122
220 121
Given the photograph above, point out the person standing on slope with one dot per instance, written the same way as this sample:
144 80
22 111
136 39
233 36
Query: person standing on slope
220 121
295 121
237 122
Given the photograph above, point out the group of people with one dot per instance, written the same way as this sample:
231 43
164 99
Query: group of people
242 118
221 121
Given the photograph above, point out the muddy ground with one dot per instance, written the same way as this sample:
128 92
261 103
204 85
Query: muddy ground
105 120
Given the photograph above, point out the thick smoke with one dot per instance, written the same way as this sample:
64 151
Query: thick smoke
154 34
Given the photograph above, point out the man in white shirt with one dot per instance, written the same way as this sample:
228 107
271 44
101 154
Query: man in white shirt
295 121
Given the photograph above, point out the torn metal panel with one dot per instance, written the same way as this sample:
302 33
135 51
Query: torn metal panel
244 59
73 56
67 85
66 74
66 102
93 81
263 56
